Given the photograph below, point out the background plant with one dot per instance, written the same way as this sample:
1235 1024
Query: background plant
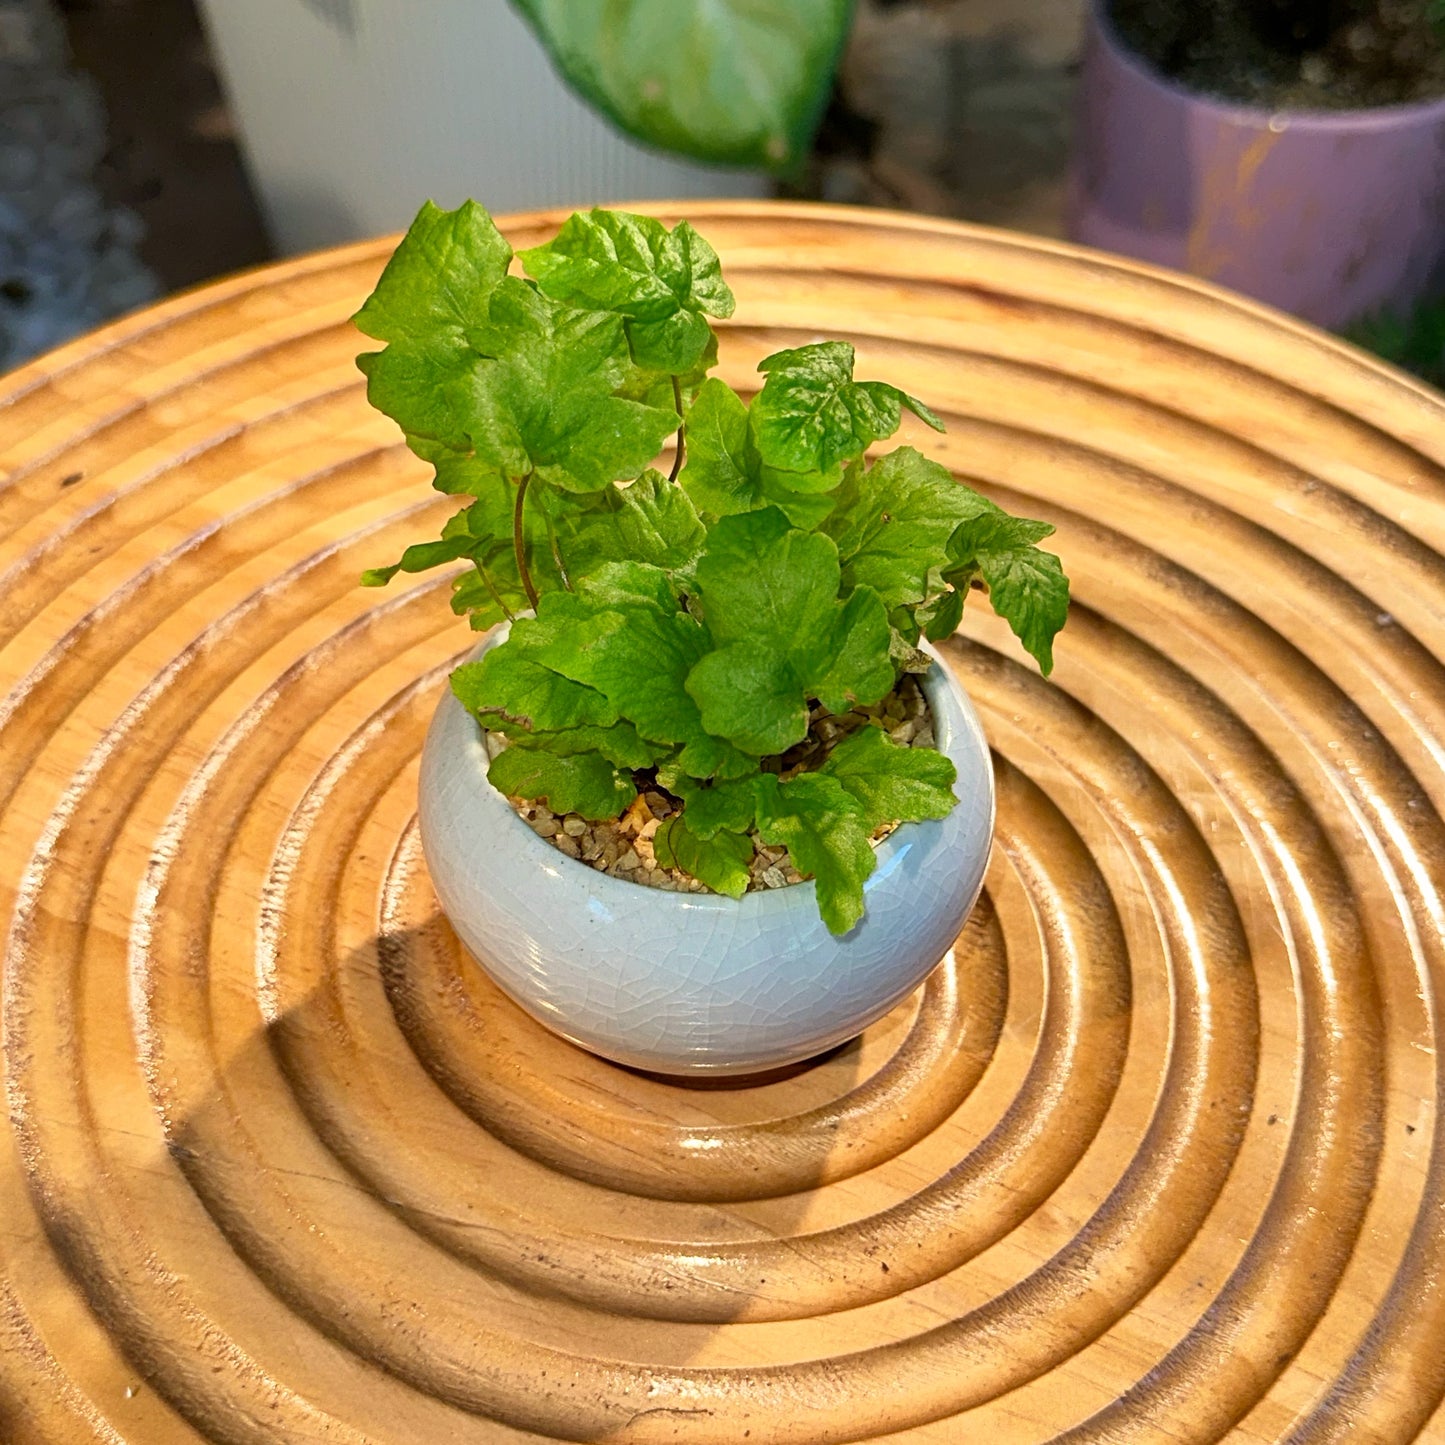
1413 339
682 626
738 82
747 82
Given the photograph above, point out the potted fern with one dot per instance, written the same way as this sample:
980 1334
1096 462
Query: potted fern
702 800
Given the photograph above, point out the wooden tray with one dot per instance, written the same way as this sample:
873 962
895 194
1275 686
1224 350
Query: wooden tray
1157 1155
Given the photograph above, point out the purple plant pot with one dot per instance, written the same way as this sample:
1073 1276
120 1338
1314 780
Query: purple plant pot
1328 214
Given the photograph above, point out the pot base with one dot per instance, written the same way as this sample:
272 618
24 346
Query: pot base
761 1079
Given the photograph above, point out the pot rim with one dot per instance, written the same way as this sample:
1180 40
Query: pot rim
950 736
1399 115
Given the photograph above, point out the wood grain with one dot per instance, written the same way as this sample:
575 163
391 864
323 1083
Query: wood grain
1156 1154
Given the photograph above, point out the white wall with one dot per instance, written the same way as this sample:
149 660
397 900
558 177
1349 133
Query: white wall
353 112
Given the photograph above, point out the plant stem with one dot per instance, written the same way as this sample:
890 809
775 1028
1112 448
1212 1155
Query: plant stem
492 588
518 545
557 553
681 442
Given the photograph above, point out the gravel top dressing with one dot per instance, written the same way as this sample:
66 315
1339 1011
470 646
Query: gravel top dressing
623 847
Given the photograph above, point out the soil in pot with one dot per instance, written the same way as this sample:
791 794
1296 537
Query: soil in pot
1292 54
622 847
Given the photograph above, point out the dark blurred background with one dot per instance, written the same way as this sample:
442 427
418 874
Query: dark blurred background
150 145
194 134
170 155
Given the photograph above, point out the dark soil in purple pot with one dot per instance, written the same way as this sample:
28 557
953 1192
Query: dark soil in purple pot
1292 54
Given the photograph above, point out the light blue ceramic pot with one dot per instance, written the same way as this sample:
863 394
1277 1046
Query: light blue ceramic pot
695 983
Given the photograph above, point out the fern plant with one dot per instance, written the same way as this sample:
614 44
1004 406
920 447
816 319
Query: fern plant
681 630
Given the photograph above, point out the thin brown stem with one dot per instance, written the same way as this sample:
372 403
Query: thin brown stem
492 588
518 544
681 440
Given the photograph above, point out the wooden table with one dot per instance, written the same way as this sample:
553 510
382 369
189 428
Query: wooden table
1157 1155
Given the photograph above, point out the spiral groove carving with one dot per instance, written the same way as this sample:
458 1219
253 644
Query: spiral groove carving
1156 1153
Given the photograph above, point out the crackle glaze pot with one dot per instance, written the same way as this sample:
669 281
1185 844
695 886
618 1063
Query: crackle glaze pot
696 983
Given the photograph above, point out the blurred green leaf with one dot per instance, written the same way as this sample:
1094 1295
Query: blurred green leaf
1412 340
738 82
